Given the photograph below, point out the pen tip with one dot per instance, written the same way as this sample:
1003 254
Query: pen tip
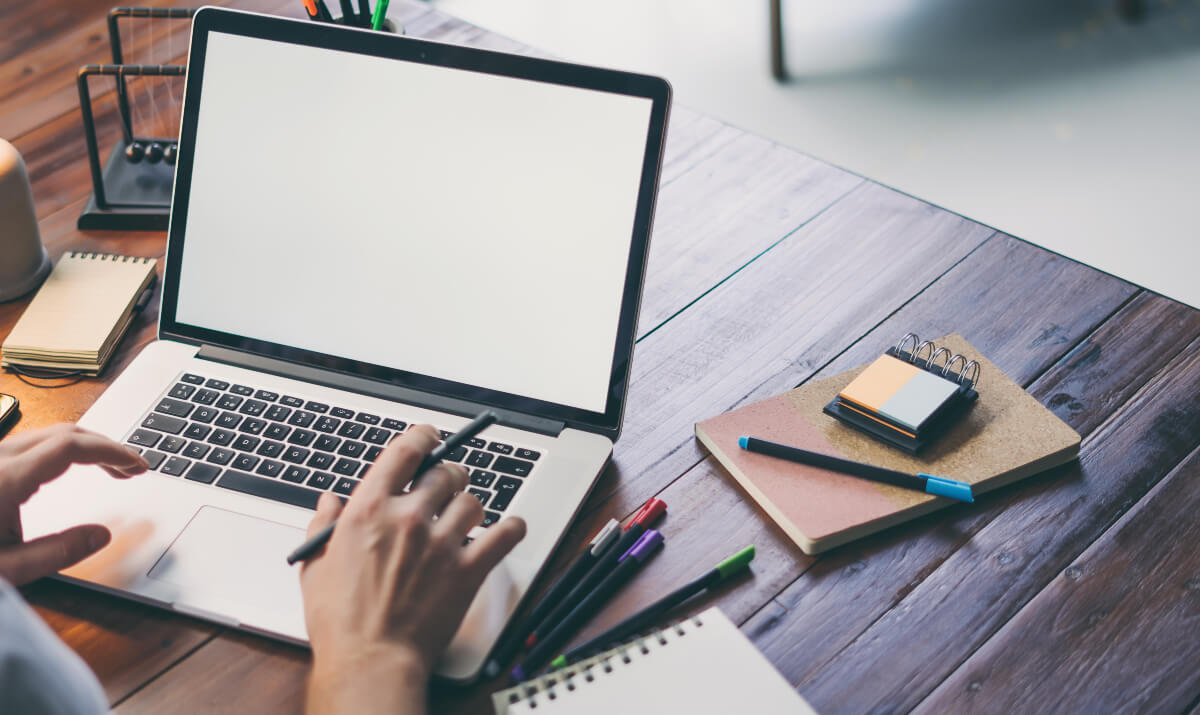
743 441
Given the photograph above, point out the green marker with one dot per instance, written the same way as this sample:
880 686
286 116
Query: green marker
642 619
380 12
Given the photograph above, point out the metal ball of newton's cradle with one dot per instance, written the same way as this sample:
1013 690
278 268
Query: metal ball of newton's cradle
154 152
135 151
170 153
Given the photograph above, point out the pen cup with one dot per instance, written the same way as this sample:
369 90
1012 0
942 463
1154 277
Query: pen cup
388 25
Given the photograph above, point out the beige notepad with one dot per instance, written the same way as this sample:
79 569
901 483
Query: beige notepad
700 666
1007 435
79 314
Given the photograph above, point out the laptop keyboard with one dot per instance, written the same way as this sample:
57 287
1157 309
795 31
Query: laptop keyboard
291 450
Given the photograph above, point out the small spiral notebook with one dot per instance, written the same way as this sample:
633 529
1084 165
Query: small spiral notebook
79 314
699 666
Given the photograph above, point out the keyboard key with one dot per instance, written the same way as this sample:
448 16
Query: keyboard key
229 402
254 408
342 413
266 395
508 465
295 474
153 458
528 454
348 467
164 423
318 407
395 425
246 443
175 466
327 424
302 437
489 518
192 379
373 454
444 433
500 448
345 486
221 437
352 449
480 494
300 418
279 413
326 443
270 449
269 489
196 431
351 430
476 443
377 435
205 414
221 456
457 454
321 480
367 418
242 390
276 431
320 460
479 459
144 438
506 488
172 444
296 455
270 468
291 401
196 450
481 478
205 397
201 472
217 384
229 420
245 462
182 391
253 425
175 408
362 472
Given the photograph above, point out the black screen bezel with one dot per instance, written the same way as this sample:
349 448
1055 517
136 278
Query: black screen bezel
378 44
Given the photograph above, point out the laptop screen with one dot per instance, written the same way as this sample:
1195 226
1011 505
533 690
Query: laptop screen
474 228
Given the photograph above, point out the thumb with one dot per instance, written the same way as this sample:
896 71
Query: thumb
22 563
329 507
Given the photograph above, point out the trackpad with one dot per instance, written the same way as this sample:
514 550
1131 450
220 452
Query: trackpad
232 557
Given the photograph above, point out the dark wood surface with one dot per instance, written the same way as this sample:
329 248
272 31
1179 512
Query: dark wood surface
1076 590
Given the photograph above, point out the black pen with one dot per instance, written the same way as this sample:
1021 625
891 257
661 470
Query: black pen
323 11
309 548
364 13
348 16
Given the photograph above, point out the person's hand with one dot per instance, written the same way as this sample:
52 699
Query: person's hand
389 591
28 461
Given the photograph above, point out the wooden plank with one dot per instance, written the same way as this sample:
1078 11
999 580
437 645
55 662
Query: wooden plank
1116 631
1010 552
123 642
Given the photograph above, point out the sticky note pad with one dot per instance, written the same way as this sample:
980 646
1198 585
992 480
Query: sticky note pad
899 391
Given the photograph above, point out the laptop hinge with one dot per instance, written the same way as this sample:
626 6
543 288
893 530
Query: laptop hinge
375 388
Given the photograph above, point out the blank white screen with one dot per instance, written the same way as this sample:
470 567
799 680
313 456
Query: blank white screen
453 224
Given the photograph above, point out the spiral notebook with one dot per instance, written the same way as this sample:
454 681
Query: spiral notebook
79 314
698 666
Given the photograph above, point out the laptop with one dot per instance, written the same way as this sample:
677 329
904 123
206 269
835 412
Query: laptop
370 232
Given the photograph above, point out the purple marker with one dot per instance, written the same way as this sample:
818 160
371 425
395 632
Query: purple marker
630 562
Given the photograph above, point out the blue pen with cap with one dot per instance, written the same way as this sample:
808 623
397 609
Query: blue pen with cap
920 482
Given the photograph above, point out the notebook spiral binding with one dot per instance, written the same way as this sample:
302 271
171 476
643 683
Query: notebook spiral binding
553 686
930 363
97 256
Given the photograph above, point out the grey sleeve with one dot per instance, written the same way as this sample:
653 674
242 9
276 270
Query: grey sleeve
39 674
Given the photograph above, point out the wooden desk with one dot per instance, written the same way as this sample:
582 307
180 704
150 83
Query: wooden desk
1077 590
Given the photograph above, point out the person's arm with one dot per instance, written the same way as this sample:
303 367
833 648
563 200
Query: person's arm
384 598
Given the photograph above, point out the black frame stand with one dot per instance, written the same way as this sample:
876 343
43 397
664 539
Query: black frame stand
127 194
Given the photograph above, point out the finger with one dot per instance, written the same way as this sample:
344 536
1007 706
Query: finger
51 457
482 555
329 508
436 488
41 557
394 469
21 442
463 512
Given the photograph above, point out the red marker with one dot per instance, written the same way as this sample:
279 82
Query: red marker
645 517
